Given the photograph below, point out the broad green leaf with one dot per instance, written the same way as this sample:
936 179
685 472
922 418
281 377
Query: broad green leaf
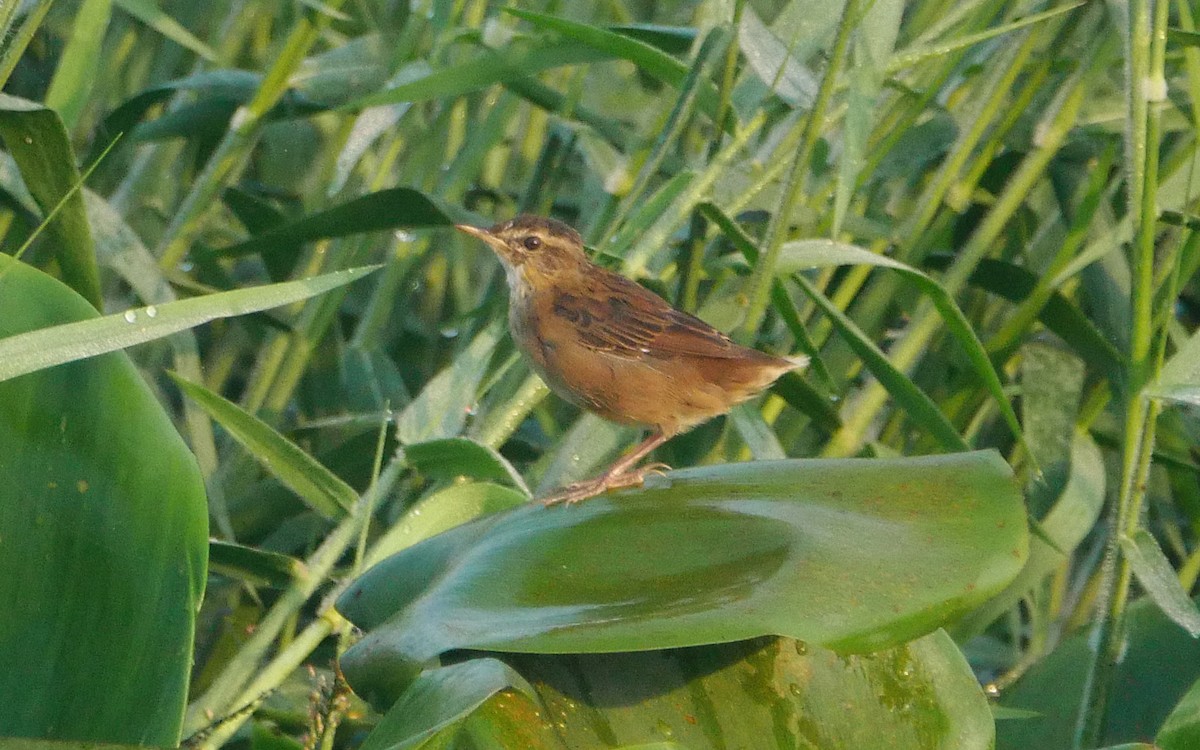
105 538
252 565
1158 578
855 555
462 457
1179 380
38 141
820 253
440 410
1181 730
386 209
439 697
149 13
27 352
762 694
1052 380
317 486
1159 664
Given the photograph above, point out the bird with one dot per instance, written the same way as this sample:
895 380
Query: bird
609 345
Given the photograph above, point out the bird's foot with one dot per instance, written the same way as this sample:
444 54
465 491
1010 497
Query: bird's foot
577 491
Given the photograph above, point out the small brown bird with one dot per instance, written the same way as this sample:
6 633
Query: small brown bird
609 345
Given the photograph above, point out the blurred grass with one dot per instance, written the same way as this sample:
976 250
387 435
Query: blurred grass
1002 148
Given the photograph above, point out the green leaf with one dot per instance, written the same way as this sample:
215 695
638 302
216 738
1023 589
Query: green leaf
104 532
150 14
767 547
438 698
1159 663
874 41
764 693
76 74
1067 524
915 402
441 511
41 147
491 67
820 253
35 350
317 486
386 209
1014 283
252 565
1179 380
462 457
440 410
1154 572
1181 730
615 45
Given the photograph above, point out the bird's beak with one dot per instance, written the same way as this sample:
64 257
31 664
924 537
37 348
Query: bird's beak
474 231
498 245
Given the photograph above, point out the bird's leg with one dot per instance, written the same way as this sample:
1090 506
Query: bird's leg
620 474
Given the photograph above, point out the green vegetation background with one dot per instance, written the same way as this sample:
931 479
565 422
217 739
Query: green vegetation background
977 217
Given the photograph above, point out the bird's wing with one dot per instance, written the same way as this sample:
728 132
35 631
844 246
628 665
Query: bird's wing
620 317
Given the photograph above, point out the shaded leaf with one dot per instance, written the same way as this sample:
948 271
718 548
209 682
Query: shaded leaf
439 697
1159 664
458 457
252 565
150 14
41 147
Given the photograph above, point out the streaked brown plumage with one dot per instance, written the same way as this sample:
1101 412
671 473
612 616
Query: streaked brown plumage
613 347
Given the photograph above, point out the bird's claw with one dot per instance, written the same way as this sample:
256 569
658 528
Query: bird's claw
578 491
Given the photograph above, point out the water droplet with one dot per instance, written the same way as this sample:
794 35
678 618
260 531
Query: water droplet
575 458
992 690
665 729
794 689
151 311
801 648
130 316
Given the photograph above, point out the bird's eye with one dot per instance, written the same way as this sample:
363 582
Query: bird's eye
532 242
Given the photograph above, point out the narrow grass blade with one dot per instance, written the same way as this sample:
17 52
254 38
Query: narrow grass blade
35 350
317 486
386 209
150 14
817 253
